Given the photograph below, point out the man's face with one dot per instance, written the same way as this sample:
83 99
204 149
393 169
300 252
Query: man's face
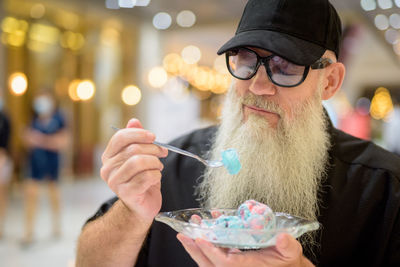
284 98
281 139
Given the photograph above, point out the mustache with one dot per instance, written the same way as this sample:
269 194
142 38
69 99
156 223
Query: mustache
258 101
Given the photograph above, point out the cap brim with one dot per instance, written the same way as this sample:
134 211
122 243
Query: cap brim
291 48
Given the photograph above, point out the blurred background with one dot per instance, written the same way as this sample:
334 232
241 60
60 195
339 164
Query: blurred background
106 61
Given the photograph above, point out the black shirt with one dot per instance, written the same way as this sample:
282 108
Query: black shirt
4 130
360 207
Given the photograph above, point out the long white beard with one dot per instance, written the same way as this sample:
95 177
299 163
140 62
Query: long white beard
282 167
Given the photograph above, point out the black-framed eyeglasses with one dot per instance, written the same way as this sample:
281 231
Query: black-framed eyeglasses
243 64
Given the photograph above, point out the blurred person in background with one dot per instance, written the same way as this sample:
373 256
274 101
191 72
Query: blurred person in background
284 58
45 138
5 163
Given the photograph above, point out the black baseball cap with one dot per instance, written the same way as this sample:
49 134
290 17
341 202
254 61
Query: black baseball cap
297 30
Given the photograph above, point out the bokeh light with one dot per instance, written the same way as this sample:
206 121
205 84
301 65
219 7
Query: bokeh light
142 2
162 21
381 22
385 4
85 90
220 65
126 3
112 4
381 104
392 36
68 20
72 90
72 40
157 77
172 63
368 5
37 11
18 83
363 105
394 21
14 31
186 18
191 54
131 95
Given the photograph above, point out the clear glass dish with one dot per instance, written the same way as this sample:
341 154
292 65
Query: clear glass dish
235 238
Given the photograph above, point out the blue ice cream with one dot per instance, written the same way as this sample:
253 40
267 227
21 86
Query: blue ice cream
230 159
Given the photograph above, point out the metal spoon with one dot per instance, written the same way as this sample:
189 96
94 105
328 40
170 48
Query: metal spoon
209 163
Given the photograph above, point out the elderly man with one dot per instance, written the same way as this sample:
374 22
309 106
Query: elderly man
284 61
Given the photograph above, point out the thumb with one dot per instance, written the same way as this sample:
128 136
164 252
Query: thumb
288 246
134 123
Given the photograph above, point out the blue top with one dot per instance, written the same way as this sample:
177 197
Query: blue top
42 162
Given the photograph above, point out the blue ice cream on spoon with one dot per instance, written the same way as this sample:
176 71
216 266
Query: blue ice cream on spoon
231 162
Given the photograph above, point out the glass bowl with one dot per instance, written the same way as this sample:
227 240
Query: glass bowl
234 238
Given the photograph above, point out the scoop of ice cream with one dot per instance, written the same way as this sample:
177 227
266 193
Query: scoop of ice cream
250 215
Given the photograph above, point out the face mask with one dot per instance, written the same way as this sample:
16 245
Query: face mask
43 105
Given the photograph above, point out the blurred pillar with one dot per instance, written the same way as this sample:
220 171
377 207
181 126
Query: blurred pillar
107 68
149 53
2 59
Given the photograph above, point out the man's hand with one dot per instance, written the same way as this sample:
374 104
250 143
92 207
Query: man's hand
287 252
132 169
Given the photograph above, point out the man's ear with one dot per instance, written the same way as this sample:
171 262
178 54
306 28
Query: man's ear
334 76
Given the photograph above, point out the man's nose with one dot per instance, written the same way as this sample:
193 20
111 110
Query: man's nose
261 84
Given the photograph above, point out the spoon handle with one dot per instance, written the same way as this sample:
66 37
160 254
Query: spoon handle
178 150
174 149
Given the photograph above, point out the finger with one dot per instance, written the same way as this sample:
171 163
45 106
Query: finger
133 166
112 164
194 251
139 184
134 123
216 255
125 137
288 246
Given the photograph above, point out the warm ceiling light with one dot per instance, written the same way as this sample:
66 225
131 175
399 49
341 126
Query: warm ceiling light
85 90
131 95
72 88
157 77
381 104
191 54
172 63
18 83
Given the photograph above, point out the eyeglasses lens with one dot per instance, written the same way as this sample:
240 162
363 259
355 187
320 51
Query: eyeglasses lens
243 63
284 72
